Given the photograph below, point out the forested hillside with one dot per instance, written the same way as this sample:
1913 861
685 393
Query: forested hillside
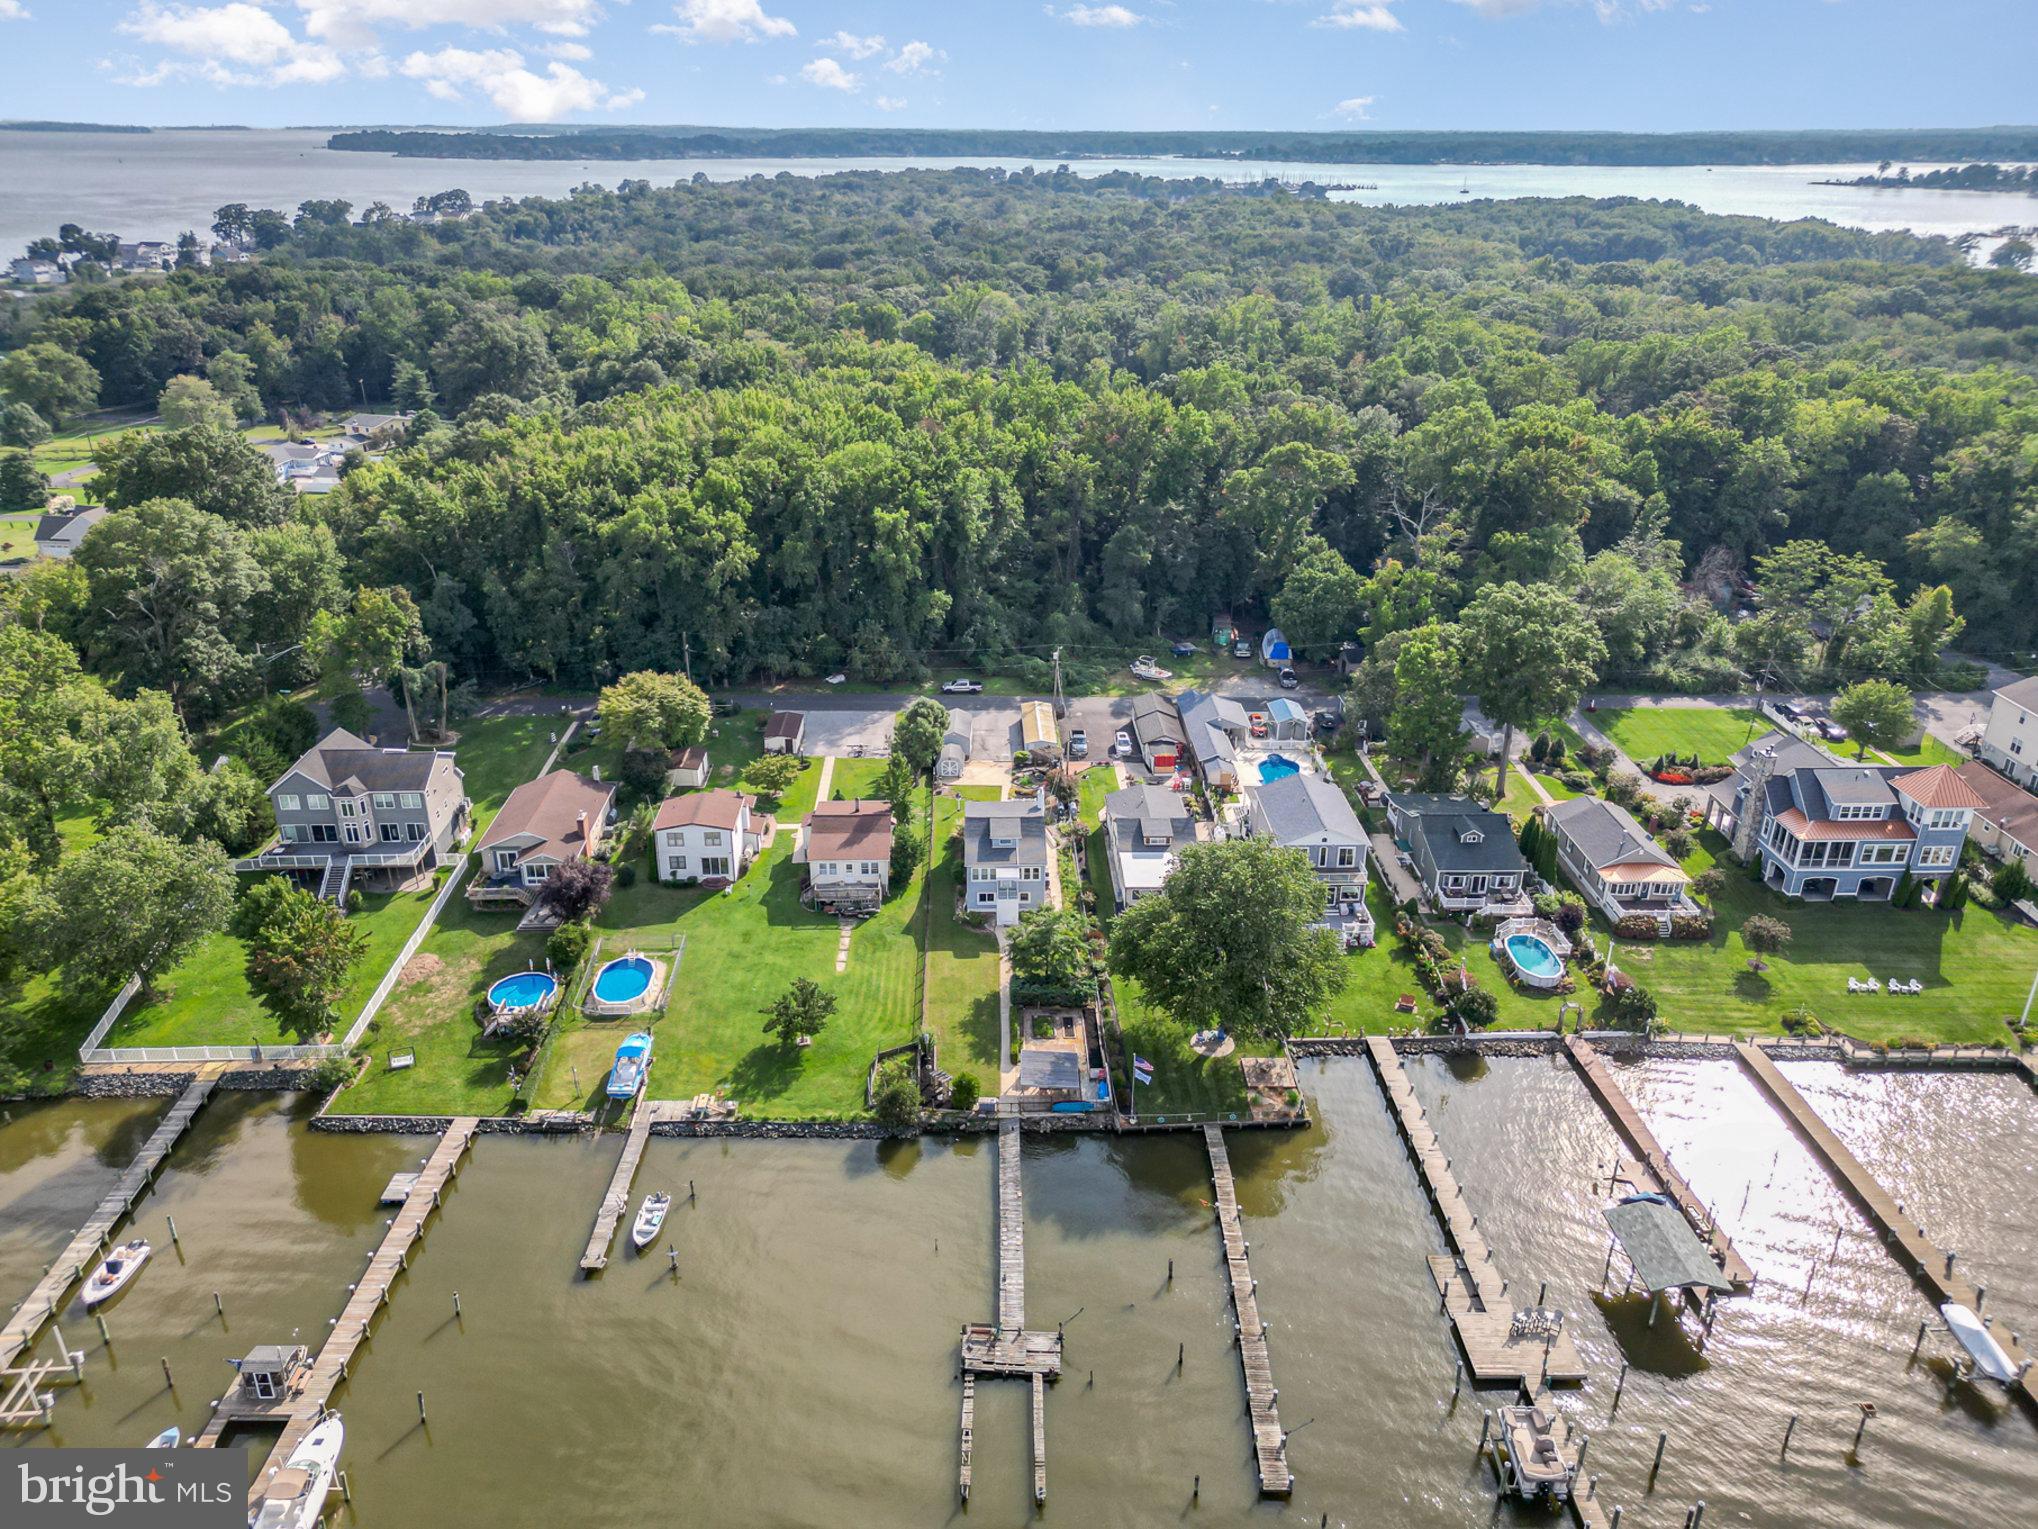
885 423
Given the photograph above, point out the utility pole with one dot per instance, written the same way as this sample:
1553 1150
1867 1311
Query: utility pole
1061 705
686 650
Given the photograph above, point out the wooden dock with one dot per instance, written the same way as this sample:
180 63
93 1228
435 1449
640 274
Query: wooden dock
299 1409
1009 1348
1270 1444
615 1204
1930 1263
1583 1502
71 1264
1657 1174
1502 1345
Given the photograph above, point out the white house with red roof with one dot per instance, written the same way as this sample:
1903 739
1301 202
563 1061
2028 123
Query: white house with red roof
708 836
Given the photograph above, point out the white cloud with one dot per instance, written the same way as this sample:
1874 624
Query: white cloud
1607 11
1100 16
890 103
1366 15
574 52
915 58
232 44
13 10
829 75
726 21
1495 8
354 21
1354 108
854 46
511 88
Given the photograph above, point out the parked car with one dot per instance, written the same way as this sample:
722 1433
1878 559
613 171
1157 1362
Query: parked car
1288 680
1182 649
963 687
1079 744
1791 711
1256 723
1832 731
1121 746
1243 648
1327 721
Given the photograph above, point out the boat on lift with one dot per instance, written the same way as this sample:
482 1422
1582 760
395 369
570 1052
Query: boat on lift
1534 1462
295 1497
633 1064
1989 1356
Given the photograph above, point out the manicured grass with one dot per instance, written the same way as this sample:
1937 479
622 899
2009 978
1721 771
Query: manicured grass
855 779
962 963
498 754
17 537
1711 732
743 949
1976 966
1183 1082
431 1010
205 1001
74 447
1521 798
41 1029
1930 751
1557 788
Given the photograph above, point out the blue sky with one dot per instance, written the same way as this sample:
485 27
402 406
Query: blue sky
1297 64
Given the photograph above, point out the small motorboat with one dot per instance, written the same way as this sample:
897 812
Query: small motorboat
1989 1356
295 1497
1536 1466
650 1217
112 1276
633 1063
169 1438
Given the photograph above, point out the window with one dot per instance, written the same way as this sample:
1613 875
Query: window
393 832
384 801
349 808
1031 873
288 803
1949 817
714 865
357 833
2017 746
870 867
1319 857
289 832
1936 855
318 801
415 832
675 865
1347 856
412 799
324 833
987 897
505 860
710 836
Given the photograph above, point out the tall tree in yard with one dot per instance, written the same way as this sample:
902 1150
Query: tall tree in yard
129 905
917 734
1428 720
23 490
213 469
1529 653
1877 713
1231 940
299 957
1320 601
800 1011
652 710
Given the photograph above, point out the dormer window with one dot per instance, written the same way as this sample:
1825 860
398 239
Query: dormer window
1004 841
1471 836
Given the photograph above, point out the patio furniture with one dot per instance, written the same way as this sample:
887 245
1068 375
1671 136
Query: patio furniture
1405 1004
399 1060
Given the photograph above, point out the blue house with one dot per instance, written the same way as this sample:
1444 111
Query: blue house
1824 828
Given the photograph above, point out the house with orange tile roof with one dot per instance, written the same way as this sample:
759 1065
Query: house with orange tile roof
1620 869
1823 828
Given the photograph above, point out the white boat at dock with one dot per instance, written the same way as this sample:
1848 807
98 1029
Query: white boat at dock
650 1217
295 1496
1989 1356
1532 1448
113 1276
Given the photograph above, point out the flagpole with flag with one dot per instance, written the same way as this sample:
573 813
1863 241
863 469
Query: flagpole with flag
1142 1072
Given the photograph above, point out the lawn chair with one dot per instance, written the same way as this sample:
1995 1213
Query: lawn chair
1405 1004
1854 986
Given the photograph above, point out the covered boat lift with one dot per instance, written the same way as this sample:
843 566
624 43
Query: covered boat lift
1665 1253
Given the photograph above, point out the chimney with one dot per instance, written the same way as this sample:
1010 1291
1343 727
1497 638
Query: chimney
1754 802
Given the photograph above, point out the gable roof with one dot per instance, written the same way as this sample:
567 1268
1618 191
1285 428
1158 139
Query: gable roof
1443 833
785 724
693 757
2023 692
848 831
1036 723
68 526
2012 809
340 761
1304 805
1792 753
1155 720
563 812
1154 811
1021 818
1208 722
719 808
1609 838
1281 709
1938 786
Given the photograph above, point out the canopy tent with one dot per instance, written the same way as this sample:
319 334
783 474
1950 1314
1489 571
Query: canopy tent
1661 1245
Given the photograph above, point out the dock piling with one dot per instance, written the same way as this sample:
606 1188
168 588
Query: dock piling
218 1306
169 1380
1788 1429
173 1227
105 1337
1662 1441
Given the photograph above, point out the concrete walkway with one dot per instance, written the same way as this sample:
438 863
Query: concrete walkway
1008 1071
827 776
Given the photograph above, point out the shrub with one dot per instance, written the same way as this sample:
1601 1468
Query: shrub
1539 749
527 1027
963 1093
1634 1007
579 888
1624 789
896 1101
626 873
1680 842
1570 912
1691 926
1576 780
1802 1022
567 945
642 772
2011 882
1709 882
355 902
1476 1006
329 1074
1636 926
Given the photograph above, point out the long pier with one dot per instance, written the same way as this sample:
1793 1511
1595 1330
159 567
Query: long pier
1009 1349
1501 1345
1654 1167
1270 1444
1931 1264
43 1301
300 1408
616 1203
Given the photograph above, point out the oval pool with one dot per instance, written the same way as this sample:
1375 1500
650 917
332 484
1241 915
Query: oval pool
1533 958
522 990
622 979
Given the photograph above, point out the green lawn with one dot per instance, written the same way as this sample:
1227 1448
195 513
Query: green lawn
498 754
962 963
855 779
1711 732
205 1001
41 1029
17 537
74 447
431 1010
1183 1082
1930 751
1976 966
743 949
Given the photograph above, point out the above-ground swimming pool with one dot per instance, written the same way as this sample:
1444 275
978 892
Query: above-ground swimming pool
522 990
1533 958
623 980
1277 767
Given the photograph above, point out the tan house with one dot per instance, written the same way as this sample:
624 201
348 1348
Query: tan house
2006 824
689 768
2010 740
546 823
708 836
847 850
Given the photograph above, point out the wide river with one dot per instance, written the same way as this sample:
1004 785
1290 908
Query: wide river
800 1367
154 186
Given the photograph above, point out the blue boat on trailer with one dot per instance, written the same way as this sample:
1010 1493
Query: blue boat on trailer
633 1065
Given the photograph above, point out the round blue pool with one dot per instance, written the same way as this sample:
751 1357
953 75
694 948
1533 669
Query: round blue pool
1534 959
522 990
1277 767
622 980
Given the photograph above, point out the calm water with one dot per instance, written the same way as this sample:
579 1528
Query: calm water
801 1368
154 186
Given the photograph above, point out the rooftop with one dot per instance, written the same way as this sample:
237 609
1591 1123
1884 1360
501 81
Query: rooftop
1300 806
2006 804
719 808
343 762
1611 841
848 831
555 812
1938 786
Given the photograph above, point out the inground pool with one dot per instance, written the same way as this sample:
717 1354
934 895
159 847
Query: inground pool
1534 959
522 990
1277 767
622 980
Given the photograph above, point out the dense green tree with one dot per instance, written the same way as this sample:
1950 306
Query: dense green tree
1050 951
1231 940
773 775
212 469
49 379
918 733
1318 605
47 711
300 954
21 426
1428 720
1877 713
799 1013
23 490
190 402
654 710
129 904
1529 654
